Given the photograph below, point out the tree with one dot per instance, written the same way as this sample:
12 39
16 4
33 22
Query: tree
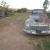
4 7
45 6
22 10
19 10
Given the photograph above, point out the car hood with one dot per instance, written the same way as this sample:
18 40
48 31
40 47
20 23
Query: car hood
31 21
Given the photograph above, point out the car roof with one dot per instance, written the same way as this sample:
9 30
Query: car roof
37 11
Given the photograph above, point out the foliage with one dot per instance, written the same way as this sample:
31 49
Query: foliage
20 17
45 6
22 10
48 15
44 45
4 8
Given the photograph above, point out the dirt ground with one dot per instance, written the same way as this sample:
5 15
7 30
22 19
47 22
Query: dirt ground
13 38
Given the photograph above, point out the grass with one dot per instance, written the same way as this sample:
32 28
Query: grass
44 45
20 17
48 15
39 42
5 21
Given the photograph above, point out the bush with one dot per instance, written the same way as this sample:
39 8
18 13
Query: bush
44 45
22 10
48 15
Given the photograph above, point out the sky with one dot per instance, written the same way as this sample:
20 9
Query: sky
30 4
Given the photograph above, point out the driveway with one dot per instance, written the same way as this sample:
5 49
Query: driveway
13 38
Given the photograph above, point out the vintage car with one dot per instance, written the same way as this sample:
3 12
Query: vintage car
37 23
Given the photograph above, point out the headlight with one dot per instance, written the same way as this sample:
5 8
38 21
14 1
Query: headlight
49 25
27 27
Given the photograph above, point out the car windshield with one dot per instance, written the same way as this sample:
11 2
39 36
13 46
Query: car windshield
35 13
40 14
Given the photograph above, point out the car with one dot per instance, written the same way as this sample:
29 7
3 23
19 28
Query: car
37 23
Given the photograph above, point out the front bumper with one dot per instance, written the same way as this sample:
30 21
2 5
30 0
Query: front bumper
30 31
35 33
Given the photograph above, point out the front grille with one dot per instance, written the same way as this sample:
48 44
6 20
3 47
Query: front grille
38 27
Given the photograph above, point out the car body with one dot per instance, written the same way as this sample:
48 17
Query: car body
37 23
